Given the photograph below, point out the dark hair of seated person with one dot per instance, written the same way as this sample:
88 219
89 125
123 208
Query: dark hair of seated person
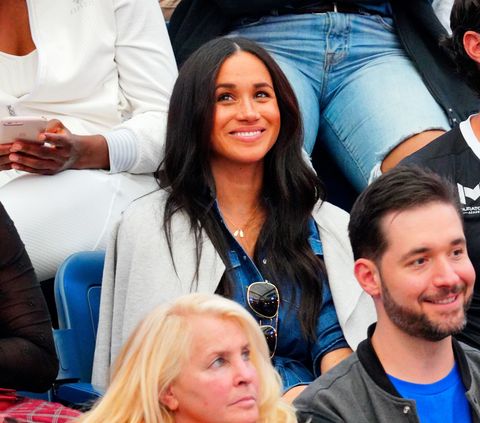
27 353
465 17
291 188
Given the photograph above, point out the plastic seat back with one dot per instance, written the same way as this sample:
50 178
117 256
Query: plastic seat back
77 297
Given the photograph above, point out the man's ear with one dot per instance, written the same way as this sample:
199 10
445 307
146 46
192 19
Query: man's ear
471 44
168 399
368 276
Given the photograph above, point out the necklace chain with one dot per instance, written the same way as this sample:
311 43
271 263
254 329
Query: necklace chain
241 230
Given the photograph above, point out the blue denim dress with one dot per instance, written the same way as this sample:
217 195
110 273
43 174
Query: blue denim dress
296 359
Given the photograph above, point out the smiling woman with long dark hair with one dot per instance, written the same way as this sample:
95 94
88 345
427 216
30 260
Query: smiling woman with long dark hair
240 213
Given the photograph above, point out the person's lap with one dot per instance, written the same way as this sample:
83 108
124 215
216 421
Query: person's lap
354 83
68 212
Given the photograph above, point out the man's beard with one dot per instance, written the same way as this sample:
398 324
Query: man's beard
418 324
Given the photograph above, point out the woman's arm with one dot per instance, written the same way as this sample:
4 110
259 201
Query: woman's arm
331 359
27 352
330 347
293 393
328 361
146 73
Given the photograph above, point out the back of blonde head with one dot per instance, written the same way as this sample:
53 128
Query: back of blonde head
152 358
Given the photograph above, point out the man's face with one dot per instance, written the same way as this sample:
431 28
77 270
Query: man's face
426 276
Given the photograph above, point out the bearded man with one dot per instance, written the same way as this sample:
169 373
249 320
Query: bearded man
411 257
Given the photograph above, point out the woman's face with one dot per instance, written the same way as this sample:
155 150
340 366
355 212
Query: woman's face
219 382
246 115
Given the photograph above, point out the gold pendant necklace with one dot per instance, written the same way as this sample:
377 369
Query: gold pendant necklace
239 233
241 230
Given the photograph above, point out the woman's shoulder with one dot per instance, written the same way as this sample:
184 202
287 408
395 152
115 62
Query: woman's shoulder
145 210
332 223
326 213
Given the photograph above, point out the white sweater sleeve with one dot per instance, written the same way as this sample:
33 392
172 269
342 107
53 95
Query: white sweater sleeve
147 71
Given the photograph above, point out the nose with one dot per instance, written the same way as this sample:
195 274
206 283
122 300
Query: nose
445 273
247 110
245 372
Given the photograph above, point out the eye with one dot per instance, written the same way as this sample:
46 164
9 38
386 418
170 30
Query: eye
246 355
418 261
458 252
224 97
218 362
262 94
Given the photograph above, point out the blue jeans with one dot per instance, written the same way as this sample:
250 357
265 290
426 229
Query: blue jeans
356 87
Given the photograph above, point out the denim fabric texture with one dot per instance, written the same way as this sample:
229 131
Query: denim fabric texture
356 87
296 359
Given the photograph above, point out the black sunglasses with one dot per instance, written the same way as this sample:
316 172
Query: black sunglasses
263 298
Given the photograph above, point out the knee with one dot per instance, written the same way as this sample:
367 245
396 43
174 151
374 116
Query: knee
408 147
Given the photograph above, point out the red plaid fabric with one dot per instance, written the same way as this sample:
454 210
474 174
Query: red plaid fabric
38 411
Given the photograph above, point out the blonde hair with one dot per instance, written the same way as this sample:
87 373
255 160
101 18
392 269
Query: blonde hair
152 358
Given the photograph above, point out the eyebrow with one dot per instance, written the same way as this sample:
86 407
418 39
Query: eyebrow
231 86
222 352
421 250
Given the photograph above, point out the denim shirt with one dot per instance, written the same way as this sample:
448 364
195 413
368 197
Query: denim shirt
296 359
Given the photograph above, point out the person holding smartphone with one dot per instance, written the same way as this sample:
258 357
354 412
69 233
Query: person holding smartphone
101 73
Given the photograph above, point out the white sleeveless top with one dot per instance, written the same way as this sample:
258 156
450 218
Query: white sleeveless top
18 73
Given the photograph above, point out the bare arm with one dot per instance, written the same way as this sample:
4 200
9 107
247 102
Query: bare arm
331 359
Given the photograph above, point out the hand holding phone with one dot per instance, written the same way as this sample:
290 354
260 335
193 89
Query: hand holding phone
54 149
21 127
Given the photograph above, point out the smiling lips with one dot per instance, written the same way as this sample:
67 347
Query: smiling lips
444 301
446 295
248 135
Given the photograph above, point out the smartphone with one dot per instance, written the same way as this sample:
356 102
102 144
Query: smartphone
21 127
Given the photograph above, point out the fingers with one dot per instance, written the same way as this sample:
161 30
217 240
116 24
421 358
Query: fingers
56 150
5 163
59 140
55 153
55 126
39 158
34 164
20 161
5 149
25 168
4 159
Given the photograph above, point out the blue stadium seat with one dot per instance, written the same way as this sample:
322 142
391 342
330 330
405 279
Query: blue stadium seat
77 297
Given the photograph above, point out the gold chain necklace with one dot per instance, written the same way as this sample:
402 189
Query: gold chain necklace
241 230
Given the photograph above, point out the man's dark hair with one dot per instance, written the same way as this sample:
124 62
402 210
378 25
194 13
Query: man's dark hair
400 189
465 16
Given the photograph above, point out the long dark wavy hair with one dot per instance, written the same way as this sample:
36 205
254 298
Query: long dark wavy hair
290 186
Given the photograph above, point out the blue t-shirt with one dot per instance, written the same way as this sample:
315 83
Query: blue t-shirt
443 401
296 359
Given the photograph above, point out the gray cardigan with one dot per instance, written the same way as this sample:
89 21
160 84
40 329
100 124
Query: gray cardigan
139 274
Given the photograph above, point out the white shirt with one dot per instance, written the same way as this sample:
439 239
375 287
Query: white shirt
104 67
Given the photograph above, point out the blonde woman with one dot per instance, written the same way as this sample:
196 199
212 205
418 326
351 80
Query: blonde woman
202 358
